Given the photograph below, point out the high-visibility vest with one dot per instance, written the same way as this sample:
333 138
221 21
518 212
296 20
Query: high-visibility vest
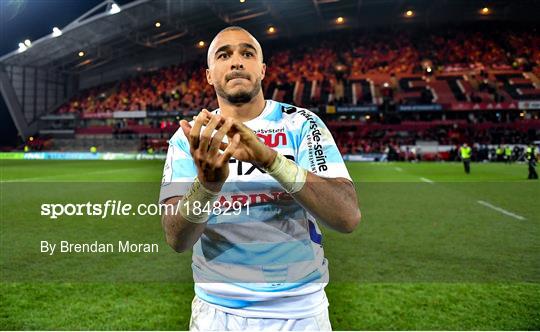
530 153
465 152
508 151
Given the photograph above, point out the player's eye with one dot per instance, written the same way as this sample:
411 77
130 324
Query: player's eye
223 56
248 54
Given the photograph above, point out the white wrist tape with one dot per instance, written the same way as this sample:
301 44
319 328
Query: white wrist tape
291 176
195 200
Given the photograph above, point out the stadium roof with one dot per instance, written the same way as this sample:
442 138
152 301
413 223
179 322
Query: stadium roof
106 37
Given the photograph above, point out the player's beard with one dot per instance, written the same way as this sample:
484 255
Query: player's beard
240 97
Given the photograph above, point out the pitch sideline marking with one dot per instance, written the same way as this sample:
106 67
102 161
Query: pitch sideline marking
399 169
501 210
61 175
426 180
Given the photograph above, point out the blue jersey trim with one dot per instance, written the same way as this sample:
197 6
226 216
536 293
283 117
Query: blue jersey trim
281 287
315 237
275 114
259 213
255 253
229 303
184 168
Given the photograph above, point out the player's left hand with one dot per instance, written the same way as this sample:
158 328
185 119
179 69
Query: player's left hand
250 148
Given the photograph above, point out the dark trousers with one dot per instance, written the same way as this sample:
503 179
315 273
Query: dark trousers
532 172
467 165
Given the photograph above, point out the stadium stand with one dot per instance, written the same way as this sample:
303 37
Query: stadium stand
418 68
377 90
407 87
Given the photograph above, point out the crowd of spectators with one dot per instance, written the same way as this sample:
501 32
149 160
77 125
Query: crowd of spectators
361 138
331 61
167 89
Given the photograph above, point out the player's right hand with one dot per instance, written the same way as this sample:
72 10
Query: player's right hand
212 165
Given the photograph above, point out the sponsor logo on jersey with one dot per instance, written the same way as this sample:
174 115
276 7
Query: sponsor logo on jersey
273 140
288 109
254 198
317 157
245 168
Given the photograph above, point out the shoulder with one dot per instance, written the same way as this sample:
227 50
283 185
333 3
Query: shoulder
179 139
298 116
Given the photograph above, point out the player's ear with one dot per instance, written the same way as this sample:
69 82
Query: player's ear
209 77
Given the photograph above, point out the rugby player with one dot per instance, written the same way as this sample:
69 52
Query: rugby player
263 269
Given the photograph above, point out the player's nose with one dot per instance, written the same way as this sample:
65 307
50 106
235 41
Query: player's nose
237 65
237 61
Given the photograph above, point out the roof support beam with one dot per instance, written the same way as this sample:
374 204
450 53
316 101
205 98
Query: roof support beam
14 106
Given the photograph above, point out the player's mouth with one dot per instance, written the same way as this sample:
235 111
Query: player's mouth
237 80
237 77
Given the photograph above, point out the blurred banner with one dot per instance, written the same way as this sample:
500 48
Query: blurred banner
82 156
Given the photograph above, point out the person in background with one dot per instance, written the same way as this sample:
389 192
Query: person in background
530 154
465 154
508 154
499 152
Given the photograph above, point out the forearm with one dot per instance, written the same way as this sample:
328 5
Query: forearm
332 201
180 234
185 224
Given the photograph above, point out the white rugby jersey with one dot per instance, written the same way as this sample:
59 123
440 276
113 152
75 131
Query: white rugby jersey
268 261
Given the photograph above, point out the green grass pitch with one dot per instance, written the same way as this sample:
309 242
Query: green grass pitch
436 249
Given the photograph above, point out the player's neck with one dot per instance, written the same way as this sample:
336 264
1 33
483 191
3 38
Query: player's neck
244 112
